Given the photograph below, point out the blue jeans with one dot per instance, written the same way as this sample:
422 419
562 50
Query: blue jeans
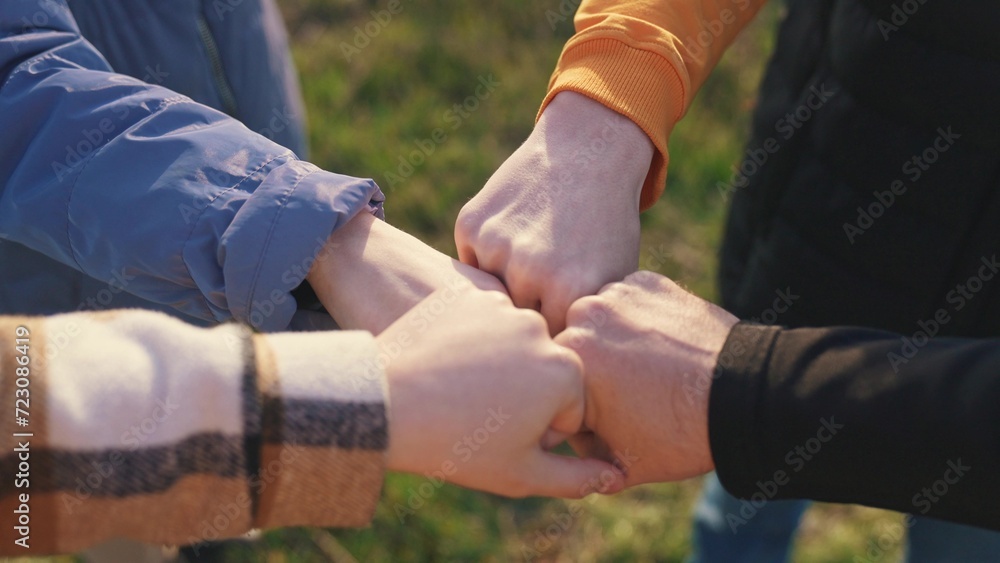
728 530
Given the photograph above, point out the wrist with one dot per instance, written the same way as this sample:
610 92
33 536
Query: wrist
717 343
592 135
699 404
338 274
405 397
396 400
397 446
697 395
345 241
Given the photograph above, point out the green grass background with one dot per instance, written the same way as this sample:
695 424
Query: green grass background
366 112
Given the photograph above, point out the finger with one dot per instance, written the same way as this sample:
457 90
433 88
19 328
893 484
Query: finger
580 343
555 475
482 280
488 260
466 229
490 284
554 308
647 279
589 311
523 299
466 252
569 418
609 287
588 444
553 438
569 338
523 288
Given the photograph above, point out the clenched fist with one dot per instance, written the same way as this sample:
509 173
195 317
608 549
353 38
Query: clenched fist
649 350
479 392
560 218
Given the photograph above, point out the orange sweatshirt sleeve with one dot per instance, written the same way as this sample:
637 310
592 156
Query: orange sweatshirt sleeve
646 59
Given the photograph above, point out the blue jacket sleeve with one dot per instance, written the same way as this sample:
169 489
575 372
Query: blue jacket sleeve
106 174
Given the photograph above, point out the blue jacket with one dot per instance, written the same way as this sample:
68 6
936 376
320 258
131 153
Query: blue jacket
132 186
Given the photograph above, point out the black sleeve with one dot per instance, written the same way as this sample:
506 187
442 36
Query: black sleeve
860 416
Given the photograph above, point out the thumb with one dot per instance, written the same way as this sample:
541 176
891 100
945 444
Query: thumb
561 476
466 253
568 420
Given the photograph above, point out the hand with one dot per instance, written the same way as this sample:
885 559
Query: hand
649 350
560 218
370 273
478 392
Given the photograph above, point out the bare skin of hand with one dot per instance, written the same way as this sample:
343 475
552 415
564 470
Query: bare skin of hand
560 218
647 346
477 389
370 274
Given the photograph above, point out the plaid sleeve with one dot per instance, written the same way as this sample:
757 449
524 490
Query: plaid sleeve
138 425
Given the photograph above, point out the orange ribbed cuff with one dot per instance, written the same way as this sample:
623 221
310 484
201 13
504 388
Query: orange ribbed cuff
639 84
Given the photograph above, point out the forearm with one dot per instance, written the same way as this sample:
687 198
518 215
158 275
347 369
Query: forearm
113 176
646 59
824 414
370 273
134 415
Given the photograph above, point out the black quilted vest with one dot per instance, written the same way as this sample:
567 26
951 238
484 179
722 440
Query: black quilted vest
872 185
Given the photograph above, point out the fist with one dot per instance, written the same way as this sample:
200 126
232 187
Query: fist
479 392
649 351
560 218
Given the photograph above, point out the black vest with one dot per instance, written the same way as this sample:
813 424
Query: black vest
870 189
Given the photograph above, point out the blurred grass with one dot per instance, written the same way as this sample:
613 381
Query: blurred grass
368 112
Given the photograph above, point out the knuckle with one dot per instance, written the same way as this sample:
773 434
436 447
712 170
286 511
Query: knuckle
519 279
486 281
642 276
533 321
579 340
615 287
494 246
589 312
650 280
533 254
466 224
495 299
565 360
494 285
